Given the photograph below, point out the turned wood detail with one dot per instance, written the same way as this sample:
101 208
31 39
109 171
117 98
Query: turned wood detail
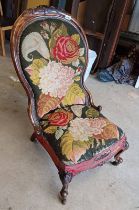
65 178
99 108
118 160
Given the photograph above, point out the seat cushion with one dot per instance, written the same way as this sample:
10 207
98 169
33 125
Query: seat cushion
77 133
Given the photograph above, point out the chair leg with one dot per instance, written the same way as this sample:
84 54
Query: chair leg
33 138
2 38
117 157
65 178
99 108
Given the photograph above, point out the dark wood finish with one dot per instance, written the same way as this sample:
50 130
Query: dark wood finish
114 18
97 35
33 138
54 3
112 32
96 15
66 172
74 9
65 178
128 15
118 159
13 8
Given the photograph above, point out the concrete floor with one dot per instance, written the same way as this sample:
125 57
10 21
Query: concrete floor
28 178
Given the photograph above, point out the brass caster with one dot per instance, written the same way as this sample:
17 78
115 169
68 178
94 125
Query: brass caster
63 197
117 161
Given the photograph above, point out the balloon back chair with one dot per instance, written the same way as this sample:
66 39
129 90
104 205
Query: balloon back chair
50 54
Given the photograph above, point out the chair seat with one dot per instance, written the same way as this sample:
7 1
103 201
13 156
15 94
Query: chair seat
78 132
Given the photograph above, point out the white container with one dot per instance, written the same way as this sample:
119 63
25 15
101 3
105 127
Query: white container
137 83
91 59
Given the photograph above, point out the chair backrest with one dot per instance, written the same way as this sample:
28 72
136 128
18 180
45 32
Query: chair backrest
50 54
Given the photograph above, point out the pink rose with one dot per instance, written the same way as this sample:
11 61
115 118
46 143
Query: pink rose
66 50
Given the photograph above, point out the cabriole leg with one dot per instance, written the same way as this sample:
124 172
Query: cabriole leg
65 178
33 137
117 157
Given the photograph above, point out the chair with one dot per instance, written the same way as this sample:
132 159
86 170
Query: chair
50 52
5 25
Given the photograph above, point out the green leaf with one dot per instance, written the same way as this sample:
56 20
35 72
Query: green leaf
76 38
73 150
92 113
82 59
51 43
51 129
63 30
91 141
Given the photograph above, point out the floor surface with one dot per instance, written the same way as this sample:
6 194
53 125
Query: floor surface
28 178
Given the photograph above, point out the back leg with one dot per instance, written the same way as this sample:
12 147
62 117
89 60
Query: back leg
33 138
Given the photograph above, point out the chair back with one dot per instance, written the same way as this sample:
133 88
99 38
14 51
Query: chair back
50 54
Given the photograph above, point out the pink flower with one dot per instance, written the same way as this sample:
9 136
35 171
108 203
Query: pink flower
81 129
97 125
66 49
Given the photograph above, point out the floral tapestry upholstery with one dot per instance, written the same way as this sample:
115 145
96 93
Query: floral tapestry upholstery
53 58
78 132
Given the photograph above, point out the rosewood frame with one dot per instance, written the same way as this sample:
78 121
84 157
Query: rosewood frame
65 172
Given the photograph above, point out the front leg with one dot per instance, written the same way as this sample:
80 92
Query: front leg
117 157
99 108
65 178
33 138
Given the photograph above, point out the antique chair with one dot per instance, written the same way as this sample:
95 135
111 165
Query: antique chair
50 52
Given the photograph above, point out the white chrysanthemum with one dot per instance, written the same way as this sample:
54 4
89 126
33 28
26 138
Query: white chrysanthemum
80 129
55 79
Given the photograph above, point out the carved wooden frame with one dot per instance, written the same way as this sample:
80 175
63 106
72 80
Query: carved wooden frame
23 21
65 172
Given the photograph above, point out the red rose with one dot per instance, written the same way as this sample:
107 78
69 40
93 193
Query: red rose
66 50
60 118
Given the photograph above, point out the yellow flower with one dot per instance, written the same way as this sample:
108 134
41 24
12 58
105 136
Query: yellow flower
35 77
73 150
74 95
34 70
